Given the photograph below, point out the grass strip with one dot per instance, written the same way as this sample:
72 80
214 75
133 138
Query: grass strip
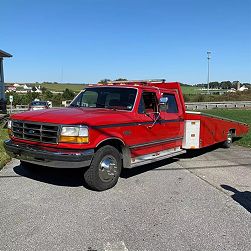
4 157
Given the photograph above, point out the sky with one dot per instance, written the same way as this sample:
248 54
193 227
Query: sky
84 41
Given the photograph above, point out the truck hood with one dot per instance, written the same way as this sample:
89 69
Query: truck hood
74 116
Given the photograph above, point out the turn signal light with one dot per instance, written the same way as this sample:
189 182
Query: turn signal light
73 139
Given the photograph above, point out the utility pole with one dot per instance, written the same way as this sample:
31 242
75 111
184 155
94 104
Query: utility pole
208 58
62 75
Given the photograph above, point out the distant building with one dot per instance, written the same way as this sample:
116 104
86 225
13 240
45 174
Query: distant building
37 90
213 91
25 87
243 88
10 88
239 88
232 90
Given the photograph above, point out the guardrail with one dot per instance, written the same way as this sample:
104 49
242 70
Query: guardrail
215 105
17 108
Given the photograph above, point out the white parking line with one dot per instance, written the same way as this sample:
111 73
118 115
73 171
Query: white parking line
115 246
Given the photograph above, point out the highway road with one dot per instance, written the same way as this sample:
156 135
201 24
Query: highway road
198 201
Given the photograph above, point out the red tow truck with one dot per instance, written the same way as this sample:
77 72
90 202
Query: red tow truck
116 125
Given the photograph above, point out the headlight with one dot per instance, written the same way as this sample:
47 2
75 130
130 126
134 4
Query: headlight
74 134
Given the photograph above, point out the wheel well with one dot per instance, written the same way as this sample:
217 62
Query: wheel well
233 131
118 144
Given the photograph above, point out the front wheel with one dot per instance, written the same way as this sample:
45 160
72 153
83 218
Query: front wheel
104 170
228 142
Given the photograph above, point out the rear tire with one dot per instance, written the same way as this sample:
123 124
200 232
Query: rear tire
228 142
104 170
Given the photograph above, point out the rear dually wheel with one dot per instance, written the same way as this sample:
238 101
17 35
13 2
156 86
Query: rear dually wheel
228 142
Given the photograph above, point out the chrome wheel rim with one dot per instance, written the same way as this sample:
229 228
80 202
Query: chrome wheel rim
229 138
108 168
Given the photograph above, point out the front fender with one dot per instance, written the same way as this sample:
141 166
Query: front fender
100 135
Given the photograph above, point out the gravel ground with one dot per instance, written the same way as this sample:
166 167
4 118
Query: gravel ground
199 201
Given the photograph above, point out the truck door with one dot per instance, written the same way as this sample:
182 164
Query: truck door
173 120
150 131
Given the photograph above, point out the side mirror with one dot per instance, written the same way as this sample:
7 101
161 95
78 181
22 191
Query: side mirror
163 104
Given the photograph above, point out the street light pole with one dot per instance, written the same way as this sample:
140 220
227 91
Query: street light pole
208 58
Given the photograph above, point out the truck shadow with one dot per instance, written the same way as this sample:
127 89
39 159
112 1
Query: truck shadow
60 177
74 177
243 198
127 173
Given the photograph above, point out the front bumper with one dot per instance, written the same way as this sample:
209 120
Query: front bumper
58 159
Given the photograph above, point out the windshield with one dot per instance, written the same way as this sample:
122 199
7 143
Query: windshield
106 97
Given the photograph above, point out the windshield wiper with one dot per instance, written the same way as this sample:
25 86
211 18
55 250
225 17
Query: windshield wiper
73 105
111 108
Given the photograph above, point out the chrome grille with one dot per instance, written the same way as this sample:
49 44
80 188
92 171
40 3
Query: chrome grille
45 133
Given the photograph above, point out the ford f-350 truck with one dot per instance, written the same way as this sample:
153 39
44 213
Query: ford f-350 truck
115 125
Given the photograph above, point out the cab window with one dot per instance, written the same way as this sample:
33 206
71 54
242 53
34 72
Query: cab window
148 103
172 104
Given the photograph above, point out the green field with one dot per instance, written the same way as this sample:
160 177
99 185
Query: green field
62 87
190 90
235 114
4 158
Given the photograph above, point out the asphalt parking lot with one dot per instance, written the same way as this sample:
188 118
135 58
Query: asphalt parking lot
199 201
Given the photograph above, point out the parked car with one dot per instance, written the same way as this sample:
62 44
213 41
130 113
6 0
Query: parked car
38 105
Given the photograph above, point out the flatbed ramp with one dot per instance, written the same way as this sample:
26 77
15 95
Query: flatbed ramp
202 130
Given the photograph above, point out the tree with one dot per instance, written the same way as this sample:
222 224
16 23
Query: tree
214 85
47 95
30 96
105 80
68 94
43 89
121 79
226 85
57 100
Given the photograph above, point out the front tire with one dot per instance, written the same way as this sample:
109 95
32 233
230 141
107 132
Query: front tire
104 170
